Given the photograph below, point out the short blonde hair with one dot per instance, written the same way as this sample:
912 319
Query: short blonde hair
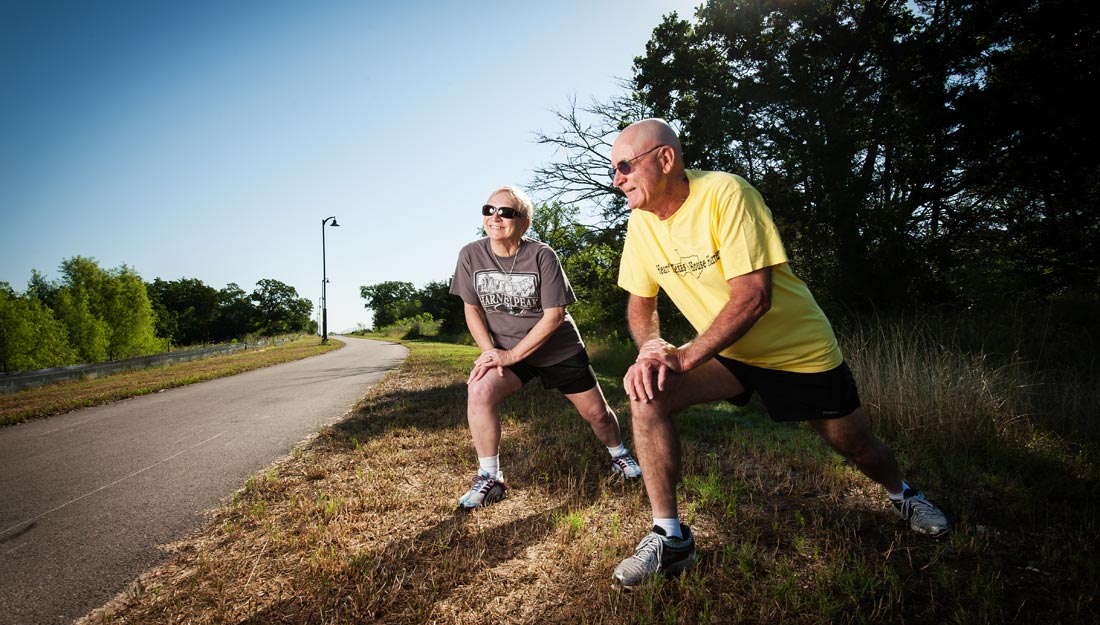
525 205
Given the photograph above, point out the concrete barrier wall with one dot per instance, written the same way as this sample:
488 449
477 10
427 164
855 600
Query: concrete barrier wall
12 382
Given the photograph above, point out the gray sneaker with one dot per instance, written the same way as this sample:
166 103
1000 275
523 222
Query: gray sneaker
626 465
923 517
657 554
485 489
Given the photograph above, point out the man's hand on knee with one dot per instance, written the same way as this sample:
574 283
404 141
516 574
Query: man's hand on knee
663 352
644 379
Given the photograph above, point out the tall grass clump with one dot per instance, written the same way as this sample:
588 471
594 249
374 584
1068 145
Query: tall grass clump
610 353
920 386
953 384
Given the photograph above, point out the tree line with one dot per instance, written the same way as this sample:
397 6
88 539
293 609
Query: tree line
91 314
915 151
395 301
916 154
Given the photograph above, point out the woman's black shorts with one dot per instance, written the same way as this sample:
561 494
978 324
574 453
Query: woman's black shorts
572 375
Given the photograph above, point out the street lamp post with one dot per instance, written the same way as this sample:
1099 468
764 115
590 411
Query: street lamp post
324 282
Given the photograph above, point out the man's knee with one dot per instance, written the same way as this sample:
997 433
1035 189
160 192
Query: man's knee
646 413
850 435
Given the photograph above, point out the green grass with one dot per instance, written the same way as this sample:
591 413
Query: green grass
65 396
359 525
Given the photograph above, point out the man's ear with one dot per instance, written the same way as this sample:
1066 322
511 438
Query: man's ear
667 158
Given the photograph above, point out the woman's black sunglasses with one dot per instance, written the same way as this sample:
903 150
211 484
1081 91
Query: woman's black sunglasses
506 212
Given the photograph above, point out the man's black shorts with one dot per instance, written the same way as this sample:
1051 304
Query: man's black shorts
791 396
572 375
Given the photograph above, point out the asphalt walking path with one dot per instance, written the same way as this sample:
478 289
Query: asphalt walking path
88 498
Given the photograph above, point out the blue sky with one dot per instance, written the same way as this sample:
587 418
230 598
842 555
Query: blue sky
209 139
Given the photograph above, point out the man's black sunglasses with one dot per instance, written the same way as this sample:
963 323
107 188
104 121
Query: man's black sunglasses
506 212
626 166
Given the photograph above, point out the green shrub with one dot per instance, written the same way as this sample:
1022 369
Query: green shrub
420 326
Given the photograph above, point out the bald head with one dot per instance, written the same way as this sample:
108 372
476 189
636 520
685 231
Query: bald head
652 131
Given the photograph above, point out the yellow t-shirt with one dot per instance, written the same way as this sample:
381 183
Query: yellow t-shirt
724 230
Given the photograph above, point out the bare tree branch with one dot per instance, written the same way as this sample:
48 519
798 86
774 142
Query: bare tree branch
582 156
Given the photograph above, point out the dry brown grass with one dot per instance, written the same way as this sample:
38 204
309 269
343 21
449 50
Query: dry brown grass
358 526
65 396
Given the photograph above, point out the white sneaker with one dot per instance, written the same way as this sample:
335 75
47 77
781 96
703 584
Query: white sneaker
657 554
625 464
485 489
923 517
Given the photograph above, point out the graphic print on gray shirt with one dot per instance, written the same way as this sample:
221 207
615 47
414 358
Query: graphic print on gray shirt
513 294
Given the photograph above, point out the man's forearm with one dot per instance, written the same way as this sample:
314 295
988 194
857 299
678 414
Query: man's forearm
642 319
725 331
750 298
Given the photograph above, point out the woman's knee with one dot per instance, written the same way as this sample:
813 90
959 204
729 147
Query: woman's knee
482 393
598 414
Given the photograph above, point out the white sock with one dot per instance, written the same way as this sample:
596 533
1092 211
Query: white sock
898 496
490 465
617 451
670 526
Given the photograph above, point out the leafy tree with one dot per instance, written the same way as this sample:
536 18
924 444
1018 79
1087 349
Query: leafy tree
129 314
236 316
436 300
38 287
280 309
83 278
185 310
30 336
390 301
556 225
1028 142
166 326
393 301
77 303
89 336
108 313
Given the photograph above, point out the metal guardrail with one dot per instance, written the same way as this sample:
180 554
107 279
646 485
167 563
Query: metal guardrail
13 382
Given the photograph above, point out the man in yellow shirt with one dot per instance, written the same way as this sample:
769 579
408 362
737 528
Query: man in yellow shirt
707 240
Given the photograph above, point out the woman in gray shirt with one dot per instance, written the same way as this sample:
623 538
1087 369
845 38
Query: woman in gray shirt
514 295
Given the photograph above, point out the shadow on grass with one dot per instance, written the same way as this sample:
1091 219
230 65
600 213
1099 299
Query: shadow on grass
435 408
407 580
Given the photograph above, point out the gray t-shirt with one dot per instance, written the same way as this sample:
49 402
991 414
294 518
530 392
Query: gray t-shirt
513 299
